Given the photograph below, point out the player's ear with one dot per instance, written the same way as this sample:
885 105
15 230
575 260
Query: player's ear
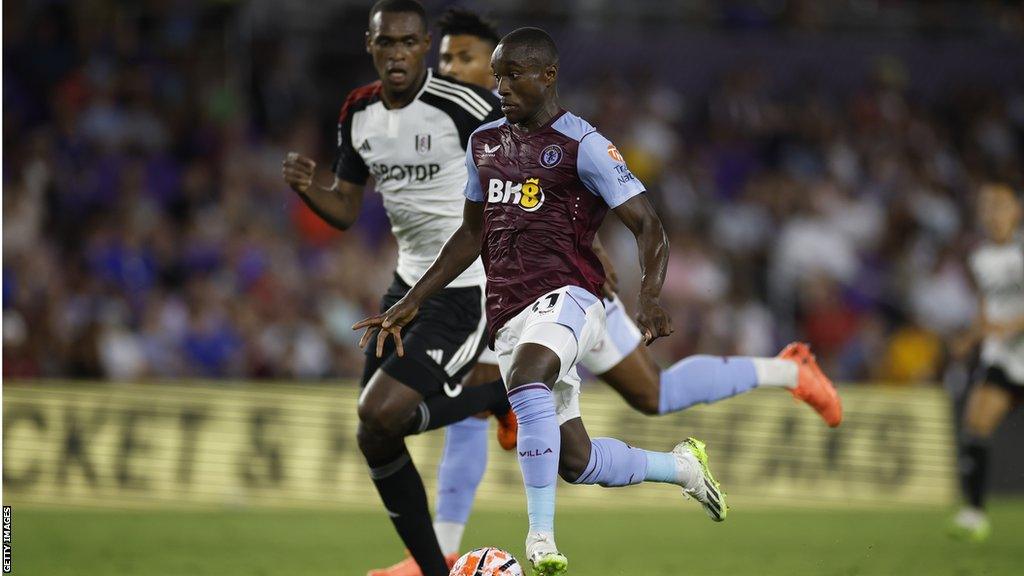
551 75
368 42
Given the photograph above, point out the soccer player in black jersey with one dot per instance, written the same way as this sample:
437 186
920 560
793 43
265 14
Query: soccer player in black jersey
408 130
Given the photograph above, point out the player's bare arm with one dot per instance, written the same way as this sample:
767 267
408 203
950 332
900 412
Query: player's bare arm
1006 329
611 282
458 253
962 343
638 215
338 205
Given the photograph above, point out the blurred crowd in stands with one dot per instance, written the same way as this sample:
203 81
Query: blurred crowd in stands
147 232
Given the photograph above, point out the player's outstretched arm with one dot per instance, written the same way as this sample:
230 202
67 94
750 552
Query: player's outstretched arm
458 253
638 215
338 205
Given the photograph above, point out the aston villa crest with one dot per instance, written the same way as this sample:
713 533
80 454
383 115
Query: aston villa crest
551 156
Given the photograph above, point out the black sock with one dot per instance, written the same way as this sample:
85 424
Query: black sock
405 499
501 405
440 410
974 469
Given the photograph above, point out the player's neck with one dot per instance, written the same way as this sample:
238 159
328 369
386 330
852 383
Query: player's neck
541 117
402 99
1002 240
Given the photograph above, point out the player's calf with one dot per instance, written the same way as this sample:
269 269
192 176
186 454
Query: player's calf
615 463
636 378
572 464
577 450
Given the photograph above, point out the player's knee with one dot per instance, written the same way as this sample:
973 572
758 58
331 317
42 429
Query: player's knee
383 420
369 415
369 441
572 466
574 458
523 373
533 363
980 424
377 447
986 408
646 402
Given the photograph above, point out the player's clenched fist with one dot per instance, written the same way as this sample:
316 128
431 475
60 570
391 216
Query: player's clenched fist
653 320
298 171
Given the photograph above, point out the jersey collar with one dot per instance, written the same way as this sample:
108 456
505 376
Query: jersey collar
561 112
426 82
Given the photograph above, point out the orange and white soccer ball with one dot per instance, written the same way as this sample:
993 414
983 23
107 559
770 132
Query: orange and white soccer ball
487 562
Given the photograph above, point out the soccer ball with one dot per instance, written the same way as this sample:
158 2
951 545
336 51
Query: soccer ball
487 562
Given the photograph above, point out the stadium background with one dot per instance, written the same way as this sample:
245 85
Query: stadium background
175 321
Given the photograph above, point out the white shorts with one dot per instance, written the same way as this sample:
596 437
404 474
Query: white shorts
488 356
1006 354
621 337
568 321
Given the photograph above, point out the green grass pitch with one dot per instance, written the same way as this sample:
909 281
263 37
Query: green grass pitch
671 542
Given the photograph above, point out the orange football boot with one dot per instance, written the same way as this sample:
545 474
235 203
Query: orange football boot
813 387
409 567
508 430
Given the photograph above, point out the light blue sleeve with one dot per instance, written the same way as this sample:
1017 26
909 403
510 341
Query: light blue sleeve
473 190
603 172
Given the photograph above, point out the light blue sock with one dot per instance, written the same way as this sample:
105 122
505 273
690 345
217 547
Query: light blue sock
538 446
615 463
461 469
540 508
661 467
704 379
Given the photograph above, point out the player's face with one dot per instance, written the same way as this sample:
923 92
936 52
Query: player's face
999 212
399 45
467 58
523 83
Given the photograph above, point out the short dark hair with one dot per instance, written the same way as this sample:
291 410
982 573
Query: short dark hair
458 21
538 42
395 6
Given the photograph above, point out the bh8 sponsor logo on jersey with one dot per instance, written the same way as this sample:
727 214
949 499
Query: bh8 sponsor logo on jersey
529 195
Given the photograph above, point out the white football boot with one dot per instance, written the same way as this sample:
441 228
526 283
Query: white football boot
544 556
971 524
694 475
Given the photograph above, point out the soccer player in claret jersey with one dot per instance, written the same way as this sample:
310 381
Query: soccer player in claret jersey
997 267
467 42
540 182
409 131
